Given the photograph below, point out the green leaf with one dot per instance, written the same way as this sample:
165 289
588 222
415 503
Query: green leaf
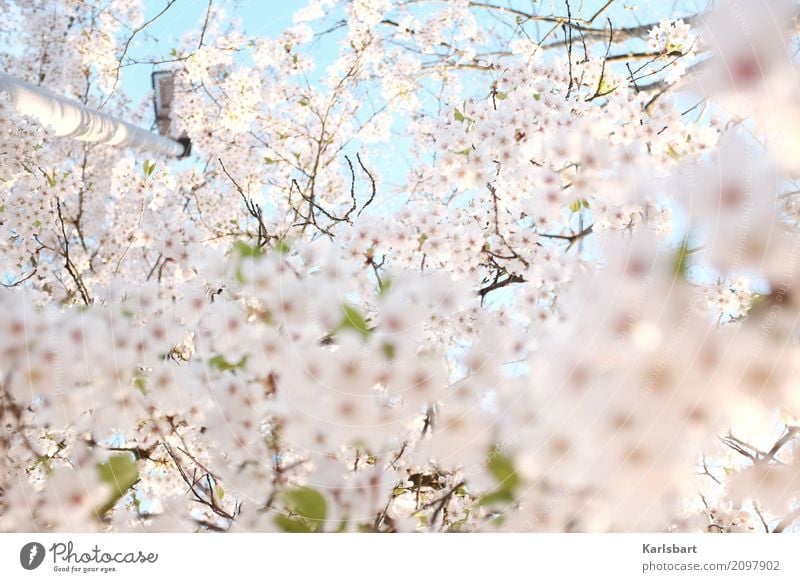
498 497
282 247
757 300
51 180
680 264
292 525
148 167
674 49
577 204
384 285
458 115
353 319
306 502
248 251
220 363
120 472
388 350
502 469
501 95
605 87
456 526
308 505
140 381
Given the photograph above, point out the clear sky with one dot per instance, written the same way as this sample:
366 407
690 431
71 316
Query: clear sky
269 17
259 17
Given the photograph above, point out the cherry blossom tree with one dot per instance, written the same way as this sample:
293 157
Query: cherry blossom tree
443 266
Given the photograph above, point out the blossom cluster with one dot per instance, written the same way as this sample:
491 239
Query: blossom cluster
547 300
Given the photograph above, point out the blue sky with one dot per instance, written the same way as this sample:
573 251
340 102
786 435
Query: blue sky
269 17
259 17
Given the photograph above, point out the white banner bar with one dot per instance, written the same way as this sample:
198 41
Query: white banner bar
399 557
70 118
